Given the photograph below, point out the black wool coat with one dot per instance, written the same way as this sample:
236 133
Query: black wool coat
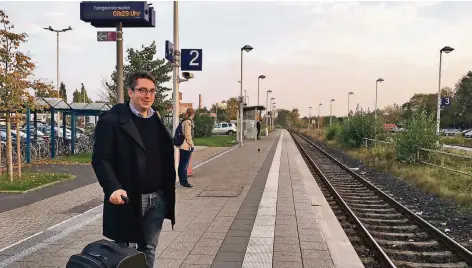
119 162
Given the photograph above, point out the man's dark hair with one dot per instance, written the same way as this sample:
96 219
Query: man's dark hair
133 78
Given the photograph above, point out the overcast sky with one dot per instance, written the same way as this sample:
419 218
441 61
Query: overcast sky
310 52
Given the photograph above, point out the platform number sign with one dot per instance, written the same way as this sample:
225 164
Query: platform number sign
191 59
445 102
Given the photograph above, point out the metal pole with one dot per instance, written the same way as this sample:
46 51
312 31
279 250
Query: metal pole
119 63
348 109
175 75
330 113
175 108
57 58
268 109
319 106
241 105
375 113
309 117
438 106
258 80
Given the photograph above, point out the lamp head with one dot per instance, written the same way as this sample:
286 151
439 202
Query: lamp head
246 48
446 49
262 76
380 80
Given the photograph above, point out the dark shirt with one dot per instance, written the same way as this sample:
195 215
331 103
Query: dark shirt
148 129
258 125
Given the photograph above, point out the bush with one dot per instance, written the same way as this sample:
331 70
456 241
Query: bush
333 131
358 127
204 124
420 132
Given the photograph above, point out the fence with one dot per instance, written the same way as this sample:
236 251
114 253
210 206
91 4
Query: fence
41 149
444 160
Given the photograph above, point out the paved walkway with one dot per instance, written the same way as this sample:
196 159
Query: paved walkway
251 207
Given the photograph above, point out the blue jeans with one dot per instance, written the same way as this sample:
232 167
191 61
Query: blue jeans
153 209
183 166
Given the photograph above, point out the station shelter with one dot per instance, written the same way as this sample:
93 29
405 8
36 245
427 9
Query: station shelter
250 116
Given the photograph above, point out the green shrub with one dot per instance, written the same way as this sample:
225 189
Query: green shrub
333 131
358 127
420 132
204 124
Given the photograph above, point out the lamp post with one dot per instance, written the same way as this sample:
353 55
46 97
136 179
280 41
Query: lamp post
446 50
380 80
272 117
267 106
331 112
258 82
348 109
271 104
319 107
57 70
309 117
246 48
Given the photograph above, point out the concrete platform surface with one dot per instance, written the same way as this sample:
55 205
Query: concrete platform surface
251 207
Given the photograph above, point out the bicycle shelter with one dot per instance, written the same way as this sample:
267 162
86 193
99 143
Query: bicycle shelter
53 105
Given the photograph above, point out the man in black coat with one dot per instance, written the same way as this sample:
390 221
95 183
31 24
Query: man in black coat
133 157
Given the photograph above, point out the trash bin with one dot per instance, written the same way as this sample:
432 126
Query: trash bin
266 131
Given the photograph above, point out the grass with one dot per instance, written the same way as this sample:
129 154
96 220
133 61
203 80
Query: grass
83 158
215 141
30 181
444 183
457 140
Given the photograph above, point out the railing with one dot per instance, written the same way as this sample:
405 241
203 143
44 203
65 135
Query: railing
41 150
442 157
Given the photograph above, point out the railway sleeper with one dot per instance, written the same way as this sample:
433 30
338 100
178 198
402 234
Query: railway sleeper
405 264
400 235
411 245
421 256
380 215
385 210
384 221
392 227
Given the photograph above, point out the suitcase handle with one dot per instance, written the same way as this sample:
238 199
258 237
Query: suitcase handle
102 258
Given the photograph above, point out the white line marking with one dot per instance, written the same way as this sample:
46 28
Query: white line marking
21 241
46 242
260 249
78 225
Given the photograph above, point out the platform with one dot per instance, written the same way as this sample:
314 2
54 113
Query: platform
255 206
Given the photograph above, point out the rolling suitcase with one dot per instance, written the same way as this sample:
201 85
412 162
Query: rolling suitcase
107 254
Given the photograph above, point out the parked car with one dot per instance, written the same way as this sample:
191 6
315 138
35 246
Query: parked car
468 134
224 129
450 132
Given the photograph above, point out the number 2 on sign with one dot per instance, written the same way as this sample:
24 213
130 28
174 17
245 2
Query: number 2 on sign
192 61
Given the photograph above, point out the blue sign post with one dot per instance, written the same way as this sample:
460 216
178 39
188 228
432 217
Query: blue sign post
170 51
191 59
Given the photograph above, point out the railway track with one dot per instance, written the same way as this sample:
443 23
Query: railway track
395 235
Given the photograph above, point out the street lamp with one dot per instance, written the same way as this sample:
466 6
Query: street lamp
331 112
348 109
267 106
446 50
246 48
258 80
309 116
380 80
319 106
272 116
57 50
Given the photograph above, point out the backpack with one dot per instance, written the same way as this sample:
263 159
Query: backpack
179 136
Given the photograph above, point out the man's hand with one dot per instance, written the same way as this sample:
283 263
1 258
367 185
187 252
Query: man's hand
115 197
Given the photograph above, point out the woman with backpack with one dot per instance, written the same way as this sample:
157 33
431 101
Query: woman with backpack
186 148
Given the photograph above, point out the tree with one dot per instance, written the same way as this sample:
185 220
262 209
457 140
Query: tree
392 114
16 77
464 97
143 59
283 118
232 108
81 96
63 91
221 114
